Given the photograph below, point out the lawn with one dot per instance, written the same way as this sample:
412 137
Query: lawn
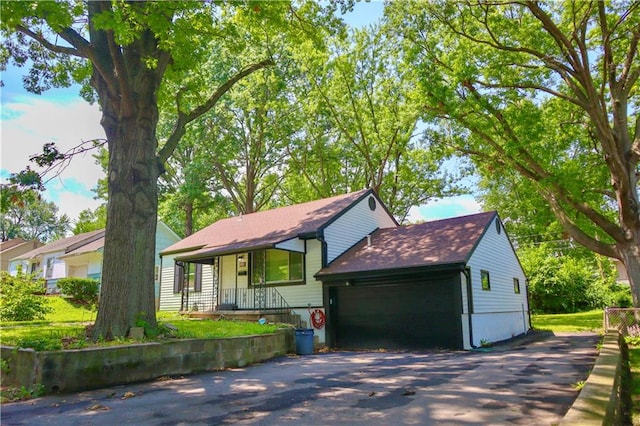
581 321
65 327
634 383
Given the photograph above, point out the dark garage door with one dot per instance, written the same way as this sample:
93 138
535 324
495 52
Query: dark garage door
396 315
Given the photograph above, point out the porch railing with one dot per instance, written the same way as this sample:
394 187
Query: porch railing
267 300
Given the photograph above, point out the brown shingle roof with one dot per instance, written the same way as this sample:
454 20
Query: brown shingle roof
6 245
265 228
64 244
441 242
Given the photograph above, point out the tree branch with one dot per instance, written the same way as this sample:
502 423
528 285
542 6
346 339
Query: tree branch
51 46
184 119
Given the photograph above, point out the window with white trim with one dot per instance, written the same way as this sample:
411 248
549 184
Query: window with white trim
273 266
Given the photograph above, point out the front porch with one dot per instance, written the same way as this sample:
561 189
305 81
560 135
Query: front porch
242 304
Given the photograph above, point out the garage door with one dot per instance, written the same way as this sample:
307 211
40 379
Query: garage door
396 315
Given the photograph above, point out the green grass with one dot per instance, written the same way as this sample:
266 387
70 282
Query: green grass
634 383
207 329
64 328
581 321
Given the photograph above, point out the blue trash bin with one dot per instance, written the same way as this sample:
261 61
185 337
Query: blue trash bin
304 341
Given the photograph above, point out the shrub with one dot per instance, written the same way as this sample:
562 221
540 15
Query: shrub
568 282
83 290
21 298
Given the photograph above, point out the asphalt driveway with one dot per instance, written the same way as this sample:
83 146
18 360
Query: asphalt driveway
527 381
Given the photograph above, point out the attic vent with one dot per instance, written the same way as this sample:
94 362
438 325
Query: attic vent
372 203
498 227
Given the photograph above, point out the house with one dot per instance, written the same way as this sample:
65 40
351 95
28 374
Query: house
344 266
81 256
453 283
13 248
45 261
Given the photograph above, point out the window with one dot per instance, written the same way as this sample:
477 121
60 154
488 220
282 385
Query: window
484 279
156 273
516 286
187 276
50 262
276 267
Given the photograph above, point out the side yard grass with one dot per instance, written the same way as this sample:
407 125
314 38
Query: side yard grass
581 321
633 383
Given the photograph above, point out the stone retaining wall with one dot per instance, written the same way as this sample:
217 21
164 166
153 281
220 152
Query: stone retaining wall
599 402
81 369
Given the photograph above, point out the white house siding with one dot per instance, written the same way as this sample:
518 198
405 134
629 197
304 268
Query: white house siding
294 244
353 225
169 301
498 313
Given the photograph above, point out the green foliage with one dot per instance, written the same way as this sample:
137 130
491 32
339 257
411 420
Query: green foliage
519 88
23 393
565 283
24 214
91 220
21 298
83 290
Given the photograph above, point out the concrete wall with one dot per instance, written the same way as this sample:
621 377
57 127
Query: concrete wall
600 402
74 370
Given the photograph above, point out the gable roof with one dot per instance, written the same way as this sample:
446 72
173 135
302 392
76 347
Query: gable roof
266 228
64 244
436 243
6 245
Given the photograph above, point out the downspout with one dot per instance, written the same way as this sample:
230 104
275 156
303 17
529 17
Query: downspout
526 283
323 248
467 274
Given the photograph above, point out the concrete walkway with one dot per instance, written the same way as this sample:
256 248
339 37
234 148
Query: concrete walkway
527 381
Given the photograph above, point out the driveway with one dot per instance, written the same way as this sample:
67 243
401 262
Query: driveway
526 381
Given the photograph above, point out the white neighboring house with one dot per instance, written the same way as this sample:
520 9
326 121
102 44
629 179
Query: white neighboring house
345 267
80 256
13 248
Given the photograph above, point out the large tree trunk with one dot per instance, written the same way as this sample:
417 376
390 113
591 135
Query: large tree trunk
127 293
631 261
129 118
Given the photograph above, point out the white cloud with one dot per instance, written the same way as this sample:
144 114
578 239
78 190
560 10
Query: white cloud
28 122
444 208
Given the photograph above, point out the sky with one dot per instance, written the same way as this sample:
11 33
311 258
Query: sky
28 121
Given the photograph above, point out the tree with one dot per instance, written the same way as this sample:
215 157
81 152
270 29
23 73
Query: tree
547 90
24 214
362 125
91 220
252 129
127 55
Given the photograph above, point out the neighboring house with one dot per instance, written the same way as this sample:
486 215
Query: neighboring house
81 256
13 248
46 260
622 276
452 283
